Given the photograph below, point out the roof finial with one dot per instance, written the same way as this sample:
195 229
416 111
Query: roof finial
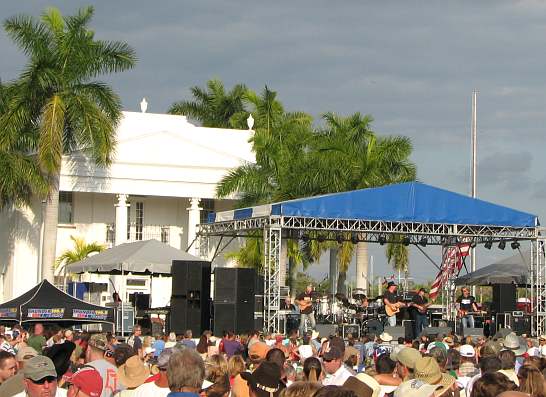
143 105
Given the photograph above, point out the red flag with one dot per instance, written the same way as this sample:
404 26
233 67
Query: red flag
451 264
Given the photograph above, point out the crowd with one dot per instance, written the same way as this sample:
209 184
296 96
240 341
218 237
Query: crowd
54 362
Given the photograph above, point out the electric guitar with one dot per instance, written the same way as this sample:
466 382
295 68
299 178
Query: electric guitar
421 308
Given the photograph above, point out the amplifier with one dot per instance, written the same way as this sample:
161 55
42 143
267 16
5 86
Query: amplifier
353 329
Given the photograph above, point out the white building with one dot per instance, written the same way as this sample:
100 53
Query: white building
161 184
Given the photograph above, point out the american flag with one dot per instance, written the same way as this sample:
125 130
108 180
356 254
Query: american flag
452 262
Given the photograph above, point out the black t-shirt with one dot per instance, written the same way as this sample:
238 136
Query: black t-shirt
392 297
466 303
419 300
306 297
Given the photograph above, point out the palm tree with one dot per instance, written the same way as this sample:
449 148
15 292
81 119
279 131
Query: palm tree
80 251
21 178
279 143
58 96
397 254
212 106
348 155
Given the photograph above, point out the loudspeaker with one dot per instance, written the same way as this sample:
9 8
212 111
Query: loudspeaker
396 332
504 298
522 325
190 300
473 332
409 332
141 301
326 330
235 292
435 331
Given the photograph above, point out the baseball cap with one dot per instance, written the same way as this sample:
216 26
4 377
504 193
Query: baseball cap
408 356
467 351
25 353
88 380
333 354
163 358
98 341
39 367
415 388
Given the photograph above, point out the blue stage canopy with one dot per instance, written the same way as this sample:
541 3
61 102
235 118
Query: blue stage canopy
406 202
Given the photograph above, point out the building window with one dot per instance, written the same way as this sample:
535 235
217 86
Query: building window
65 208
128 223
207 206
139 218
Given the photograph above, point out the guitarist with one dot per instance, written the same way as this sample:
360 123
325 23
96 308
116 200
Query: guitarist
392 305
305 302
419 312
467 304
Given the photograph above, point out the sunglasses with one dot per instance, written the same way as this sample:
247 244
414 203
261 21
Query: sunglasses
48 379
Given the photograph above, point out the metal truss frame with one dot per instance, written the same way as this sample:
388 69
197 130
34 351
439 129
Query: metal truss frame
272 278
537 270
275 228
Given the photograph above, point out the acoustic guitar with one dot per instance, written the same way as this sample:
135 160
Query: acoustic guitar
304 304
391 310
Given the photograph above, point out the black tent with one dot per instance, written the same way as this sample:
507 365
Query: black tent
46 303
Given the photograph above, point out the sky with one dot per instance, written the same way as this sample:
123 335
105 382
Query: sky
412 65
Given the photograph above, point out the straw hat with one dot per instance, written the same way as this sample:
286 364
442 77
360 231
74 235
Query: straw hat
514 343
133 373
385 337
428 371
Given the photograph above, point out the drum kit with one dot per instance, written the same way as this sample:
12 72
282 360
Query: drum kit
340 310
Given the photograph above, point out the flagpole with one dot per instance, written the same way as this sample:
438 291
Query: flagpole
474 134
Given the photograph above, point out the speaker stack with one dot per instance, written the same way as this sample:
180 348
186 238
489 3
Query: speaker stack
238 300
190 300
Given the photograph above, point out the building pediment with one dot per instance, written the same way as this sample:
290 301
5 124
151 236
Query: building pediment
158 149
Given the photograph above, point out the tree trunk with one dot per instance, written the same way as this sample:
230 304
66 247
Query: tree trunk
341 278
51 219
292 275
333 271
362 266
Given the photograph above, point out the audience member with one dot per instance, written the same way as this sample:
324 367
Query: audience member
186 373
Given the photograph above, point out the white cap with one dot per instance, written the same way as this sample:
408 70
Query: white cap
467 351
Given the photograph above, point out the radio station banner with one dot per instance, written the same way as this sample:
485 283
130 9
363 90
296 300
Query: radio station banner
46 313
90 314
9 312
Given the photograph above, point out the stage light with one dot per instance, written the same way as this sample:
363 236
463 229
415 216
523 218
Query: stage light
321 238
339 238
488 244
406 241
423 242
354 238
515 245
502 244
382 240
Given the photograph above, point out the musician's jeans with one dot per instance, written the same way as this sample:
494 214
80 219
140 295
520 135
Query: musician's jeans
421 321
312 322
391 321
468 321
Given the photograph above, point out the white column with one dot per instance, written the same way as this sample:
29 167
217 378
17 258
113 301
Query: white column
194 218
121 219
